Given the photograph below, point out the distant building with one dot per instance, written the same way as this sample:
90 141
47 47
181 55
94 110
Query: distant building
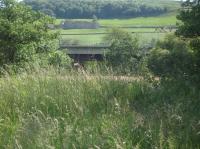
51 26
69 24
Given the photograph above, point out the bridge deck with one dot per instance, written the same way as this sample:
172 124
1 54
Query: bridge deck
84 46
81 49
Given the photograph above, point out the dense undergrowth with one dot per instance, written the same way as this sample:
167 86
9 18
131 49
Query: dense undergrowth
50 109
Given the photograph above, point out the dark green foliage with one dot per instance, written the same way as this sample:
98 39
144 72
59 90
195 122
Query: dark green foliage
179 57
23 33
190 20
189 29
171 58
59 59
88 8
124 55
25 39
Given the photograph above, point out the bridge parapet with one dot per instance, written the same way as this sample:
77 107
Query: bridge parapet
85 49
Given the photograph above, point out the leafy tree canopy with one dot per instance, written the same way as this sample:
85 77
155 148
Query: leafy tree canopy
23 33
179 57
99 8
190 19
189 28
124 55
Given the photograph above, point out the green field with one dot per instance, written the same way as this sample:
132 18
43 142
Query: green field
97 39
79 36
104 30
162 20
74 36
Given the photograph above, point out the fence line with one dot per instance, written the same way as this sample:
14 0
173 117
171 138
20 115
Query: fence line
109 33
154 27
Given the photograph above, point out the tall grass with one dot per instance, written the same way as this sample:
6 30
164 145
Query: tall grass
47 109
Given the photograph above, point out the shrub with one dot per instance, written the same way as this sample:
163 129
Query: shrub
59 59
123 55
24 33
171 58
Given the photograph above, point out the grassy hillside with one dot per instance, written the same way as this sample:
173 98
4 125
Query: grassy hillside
98 39
163 20
95 36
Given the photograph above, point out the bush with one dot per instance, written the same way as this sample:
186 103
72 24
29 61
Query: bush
123 56
24 33
171 58
59 59
44 61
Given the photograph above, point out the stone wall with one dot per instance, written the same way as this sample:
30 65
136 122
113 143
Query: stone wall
68 24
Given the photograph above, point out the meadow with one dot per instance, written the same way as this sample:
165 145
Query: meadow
146 38
161 20
58 109
140 27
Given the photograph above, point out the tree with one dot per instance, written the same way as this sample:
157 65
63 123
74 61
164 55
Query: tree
23 33
179 57
190 19
102 9
94 19
123 53
189 28
171 58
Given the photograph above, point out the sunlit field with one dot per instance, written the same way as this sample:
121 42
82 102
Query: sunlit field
96 36
99 39
162 20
